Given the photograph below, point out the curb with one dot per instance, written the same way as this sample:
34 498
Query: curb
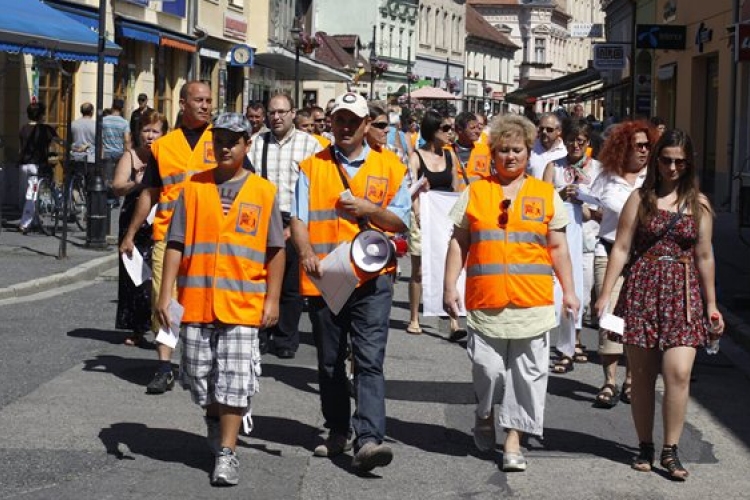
87 270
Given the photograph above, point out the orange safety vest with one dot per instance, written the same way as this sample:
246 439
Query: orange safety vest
377 180
176 163
324 143
511 264
478 166
222 274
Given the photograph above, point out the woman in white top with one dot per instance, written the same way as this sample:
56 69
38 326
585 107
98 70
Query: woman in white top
571 175
624 160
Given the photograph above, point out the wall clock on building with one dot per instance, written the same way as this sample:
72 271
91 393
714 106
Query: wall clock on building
242 55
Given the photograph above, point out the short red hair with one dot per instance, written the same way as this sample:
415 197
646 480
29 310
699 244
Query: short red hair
616 151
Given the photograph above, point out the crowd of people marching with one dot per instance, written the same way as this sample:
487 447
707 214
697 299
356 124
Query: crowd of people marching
555 225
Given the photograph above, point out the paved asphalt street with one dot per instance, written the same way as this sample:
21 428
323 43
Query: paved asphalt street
76 422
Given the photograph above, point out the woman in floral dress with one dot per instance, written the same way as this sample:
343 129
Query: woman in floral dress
665 228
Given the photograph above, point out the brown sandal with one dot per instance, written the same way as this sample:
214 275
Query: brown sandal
606 400
563 365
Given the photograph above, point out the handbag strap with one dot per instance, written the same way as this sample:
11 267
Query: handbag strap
677 215
264 155
361 221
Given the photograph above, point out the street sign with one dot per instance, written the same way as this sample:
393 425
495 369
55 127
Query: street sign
660 36
586 30
609 56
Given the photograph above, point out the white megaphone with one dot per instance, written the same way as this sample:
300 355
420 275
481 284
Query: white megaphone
372 250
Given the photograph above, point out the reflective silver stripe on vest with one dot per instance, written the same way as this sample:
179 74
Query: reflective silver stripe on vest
242 252
166 205
513 237
240 286
322 215
173 179
516 269
206 282
226 249
324 248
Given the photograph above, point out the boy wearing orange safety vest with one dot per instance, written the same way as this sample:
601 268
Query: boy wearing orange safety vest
225 250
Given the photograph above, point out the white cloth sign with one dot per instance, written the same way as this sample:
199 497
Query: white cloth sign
436 230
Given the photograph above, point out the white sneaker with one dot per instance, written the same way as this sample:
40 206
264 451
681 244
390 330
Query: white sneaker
226 469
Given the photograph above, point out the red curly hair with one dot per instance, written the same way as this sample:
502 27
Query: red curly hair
618 147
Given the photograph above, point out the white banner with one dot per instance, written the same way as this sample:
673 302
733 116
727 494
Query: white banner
436 233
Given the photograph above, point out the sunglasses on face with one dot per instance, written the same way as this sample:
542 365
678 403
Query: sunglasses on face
642 145
667 162
502 219
577 141
549 130
446 128
320 120
380 125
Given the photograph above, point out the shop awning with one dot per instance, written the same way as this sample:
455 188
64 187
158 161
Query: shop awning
31 27
564 84
281 60
135 31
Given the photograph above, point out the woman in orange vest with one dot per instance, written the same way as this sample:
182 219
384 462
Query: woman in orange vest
509 234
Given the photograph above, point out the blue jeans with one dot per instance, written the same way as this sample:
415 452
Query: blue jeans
365 318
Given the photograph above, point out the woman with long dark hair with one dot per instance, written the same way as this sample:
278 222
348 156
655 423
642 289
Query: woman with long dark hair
665 230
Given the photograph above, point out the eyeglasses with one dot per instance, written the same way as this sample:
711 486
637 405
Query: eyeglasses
446 128
549 130
577 141
280 112
642 145
667 162
502 219
381 125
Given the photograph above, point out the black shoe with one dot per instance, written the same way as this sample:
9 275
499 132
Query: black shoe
263 345
285 353
162 382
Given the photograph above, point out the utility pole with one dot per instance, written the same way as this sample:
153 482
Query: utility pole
408 76
373 60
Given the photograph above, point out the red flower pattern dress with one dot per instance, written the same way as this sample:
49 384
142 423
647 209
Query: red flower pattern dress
654 300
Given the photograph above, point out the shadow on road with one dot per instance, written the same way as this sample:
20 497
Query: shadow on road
127 440
115 337
133 370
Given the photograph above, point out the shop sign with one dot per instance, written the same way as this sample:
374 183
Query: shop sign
586 30
661 36
235 27
703 36
609 56
742 42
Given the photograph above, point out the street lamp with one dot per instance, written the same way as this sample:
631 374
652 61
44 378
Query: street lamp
484 88
296 32
97 210
409 76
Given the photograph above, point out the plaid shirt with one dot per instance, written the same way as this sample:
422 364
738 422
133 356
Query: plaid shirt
284 157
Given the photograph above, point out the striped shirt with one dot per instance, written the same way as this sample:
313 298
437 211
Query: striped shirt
284 157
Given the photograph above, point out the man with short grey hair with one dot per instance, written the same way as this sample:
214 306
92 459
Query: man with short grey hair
83 132
548 146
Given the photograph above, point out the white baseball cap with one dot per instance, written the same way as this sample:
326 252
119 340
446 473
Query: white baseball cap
353 102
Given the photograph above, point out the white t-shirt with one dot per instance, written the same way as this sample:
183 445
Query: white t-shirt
540 157
613 191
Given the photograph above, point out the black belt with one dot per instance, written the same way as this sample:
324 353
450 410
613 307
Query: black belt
607 246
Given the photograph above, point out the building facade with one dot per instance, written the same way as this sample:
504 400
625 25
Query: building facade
441 36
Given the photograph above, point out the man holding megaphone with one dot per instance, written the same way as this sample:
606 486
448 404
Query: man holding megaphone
341 191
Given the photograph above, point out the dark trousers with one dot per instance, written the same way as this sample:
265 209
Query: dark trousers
286 332
365 318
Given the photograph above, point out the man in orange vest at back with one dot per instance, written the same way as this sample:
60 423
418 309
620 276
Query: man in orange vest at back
473 154
182 152
322 219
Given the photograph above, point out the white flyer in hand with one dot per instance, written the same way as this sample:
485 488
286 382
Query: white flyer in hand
588 198
151 216
170 337
136 268
612 323
338 280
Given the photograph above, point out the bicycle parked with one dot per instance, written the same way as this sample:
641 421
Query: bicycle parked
49 201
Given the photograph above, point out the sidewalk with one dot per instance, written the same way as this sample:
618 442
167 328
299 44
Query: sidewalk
30 263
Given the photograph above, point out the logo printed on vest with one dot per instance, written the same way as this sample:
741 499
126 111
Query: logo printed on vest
376 189
480 166
208 152
532 208
247 219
